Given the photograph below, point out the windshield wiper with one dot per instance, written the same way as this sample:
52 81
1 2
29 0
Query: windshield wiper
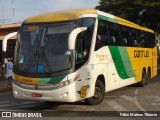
33 58
42 53
38 56
44 58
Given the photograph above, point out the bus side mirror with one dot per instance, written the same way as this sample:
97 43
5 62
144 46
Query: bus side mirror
4 44
6 38
73 36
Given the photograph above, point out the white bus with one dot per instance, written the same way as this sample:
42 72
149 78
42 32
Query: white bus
72 55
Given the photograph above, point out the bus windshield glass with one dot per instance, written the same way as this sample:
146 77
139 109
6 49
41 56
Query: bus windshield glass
43 48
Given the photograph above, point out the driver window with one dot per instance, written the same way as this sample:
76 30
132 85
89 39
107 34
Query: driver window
102 35
83 41
82 50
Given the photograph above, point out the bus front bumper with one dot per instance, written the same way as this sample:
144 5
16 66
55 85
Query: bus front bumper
64 94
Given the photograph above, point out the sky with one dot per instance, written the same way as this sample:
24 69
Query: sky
27 8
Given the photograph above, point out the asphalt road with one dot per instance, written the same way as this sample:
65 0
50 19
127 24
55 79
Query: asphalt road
129 98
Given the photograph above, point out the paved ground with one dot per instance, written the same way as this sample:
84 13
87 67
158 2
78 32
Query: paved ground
132 99
125 99
4 87
3 83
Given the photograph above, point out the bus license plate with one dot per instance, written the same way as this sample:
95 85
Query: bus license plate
36 95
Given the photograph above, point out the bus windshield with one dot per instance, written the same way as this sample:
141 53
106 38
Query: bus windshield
43 48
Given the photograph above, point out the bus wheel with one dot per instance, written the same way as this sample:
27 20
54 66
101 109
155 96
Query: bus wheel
147 78
144 79
99 94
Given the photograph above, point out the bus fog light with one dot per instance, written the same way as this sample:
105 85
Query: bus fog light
64 95
15 92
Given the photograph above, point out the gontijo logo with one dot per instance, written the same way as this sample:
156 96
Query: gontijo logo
141 53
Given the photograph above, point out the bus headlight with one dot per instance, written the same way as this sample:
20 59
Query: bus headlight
67 82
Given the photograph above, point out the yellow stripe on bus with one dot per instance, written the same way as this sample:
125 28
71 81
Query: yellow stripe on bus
26 80
140 58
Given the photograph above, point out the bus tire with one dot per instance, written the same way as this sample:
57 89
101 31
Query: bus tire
99 94
144 79
148 78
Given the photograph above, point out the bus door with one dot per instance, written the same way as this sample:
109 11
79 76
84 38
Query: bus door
80 64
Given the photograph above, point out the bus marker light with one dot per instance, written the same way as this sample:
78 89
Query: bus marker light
36 95
64 95
15 92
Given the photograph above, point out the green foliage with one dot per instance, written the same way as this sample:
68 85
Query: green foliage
143 12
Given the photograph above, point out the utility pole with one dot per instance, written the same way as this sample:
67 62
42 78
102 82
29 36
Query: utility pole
3 20
13 9
2 15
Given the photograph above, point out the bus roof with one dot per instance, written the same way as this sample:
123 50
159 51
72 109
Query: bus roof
75 14
118 20
60 16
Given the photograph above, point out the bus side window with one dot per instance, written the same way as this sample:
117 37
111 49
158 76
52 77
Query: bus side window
83 41
102 35
114 30
142 39
125 36
134 38
113 40
125 42
152 41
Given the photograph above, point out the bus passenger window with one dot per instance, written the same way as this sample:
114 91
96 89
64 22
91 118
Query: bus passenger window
134 38
142 38
113 40
135 43
147 41
151 40
124 42
125 36
115 34
102 35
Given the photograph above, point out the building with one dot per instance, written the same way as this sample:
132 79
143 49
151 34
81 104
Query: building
4 30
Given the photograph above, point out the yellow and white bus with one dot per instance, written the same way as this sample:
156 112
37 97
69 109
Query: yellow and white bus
72 55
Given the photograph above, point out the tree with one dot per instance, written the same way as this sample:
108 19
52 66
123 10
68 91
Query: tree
143 12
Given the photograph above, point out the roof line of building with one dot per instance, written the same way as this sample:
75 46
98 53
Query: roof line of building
13 25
